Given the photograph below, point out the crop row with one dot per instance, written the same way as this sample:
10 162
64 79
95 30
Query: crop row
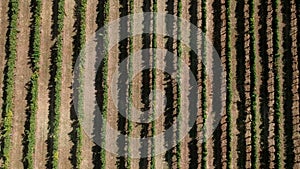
33 90
154 43
228 84
58 54
276 61
105 84
204 88
9 82
253 94
130 99
81 42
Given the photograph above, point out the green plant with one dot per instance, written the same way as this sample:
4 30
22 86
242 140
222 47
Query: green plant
129 124
253 94
33 91
57 84
9 82
277 107
228 84
81 36
105 84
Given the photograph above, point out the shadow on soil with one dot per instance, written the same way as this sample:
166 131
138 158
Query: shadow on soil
6 83
98 151
76 134
122 85
146 80
264 93
240 73
30 92
217 149
51 141
192 145
169 85
288 85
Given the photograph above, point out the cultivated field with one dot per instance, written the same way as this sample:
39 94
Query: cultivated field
258 45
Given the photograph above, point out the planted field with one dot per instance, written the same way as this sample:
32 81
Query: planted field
257 43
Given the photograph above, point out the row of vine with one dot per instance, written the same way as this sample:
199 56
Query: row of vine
276 62
33 86
253 95
11 52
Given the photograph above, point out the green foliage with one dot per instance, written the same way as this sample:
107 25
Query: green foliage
81 38
9 82
253 94
276 61
33 91
57 84
105 85
228 84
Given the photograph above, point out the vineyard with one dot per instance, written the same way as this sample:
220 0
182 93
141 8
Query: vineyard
257 42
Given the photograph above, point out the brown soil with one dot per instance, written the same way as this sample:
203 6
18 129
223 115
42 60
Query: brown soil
65 117
296 84
91 28
111 159
209 36
22 77
43 94
234 114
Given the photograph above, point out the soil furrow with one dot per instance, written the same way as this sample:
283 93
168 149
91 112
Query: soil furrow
65 143
271 141
91 28
210 37
295 34
22 77
42 113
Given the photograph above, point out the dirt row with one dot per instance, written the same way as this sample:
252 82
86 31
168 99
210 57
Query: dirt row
22 77
295 84
43 94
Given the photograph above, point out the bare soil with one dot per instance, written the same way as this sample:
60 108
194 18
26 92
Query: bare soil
65 129
91 28
22 77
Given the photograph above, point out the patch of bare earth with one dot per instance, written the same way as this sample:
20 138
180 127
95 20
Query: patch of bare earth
234 109
247 88
222 54
137 90
113 60
91 27
209 36
259 68
65 143
296 103
43 92
159 158
22 77
271 137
